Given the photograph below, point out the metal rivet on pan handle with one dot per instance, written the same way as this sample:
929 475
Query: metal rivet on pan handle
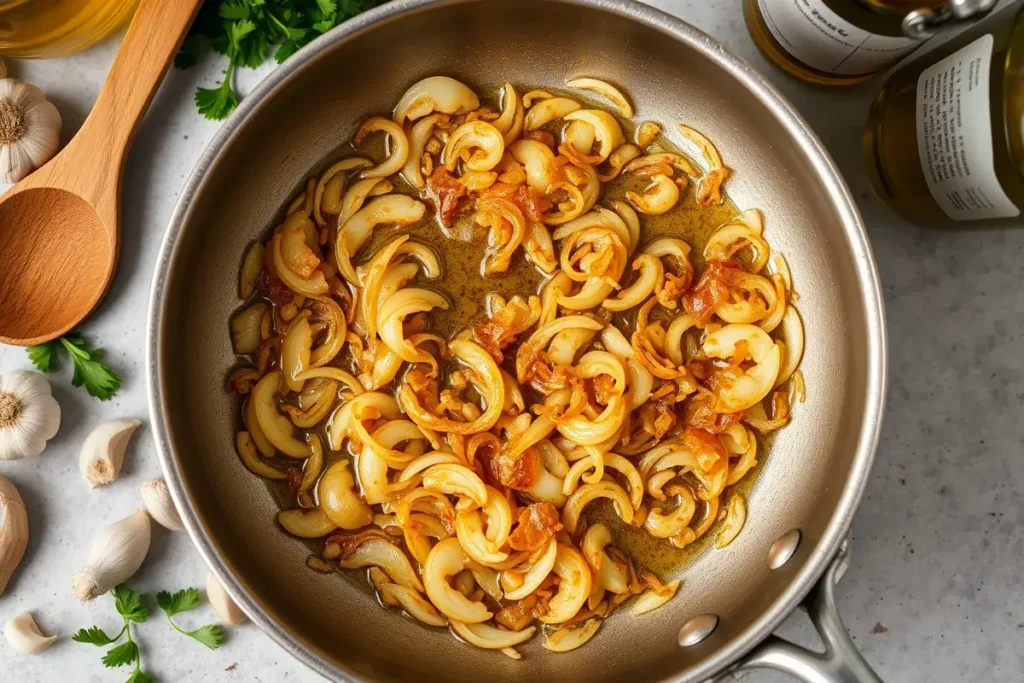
697 629
839 663
783 548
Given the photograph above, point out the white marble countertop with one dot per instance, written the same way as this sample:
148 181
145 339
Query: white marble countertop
934 592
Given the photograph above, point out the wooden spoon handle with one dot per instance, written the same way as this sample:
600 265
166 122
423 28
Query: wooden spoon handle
153 38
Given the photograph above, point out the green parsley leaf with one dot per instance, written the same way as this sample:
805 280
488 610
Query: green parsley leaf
182 601
210 635
125 653
248 31
139 676
128 604
327 7
43 355
99 379
94 636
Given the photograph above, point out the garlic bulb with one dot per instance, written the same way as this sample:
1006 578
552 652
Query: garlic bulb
29 415
222 603
116 554
103 451
23 633
29 129
159 504
13 530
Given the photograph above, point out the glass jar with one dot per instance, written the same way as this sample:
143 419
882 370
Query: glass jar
844 42
944 143
52 28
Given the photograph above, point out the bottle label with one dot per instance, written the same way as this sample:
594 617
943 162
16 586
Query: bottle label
954 135
823 40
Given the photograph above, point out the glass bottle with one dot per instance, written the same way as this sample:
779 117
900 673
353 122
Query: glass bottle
52 28
844 42
945 137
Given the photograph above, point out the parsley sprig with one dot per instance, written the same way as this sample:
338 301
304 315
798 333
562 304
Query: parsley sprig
185 600
128 604
99 379
246 30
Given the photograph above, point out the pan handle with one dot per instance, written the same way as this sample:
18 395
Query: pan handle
841 662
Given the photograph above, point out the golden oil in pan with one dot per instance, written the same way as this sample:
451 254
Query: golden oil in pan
466 290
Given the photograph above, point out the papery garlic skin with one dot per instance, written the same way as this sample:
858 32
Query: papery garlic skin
23 634
29 415
29 129
222 603
13 530
115 556
159 504
103 451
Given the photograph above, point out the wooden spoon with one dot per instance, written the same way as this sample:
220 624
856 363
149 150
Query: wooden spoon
59 228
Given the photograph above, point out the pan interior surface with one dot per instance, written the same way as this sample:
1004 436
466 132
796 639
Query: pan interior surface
293 127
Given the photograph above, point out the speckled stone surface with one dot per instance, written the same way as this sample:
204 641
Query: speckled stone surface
934 592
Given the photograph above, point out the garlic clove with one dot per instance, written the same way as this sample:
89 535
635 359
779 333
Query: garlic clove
3 69
24 635
115 556
29 129
13 530
222 603
158 502
29 415
103 451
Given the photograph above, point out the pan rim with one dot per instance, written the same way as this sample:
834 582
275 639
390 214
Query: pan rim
853 230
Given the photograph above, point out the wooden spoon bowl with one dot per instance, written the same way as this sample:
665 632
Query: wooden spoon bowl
59 228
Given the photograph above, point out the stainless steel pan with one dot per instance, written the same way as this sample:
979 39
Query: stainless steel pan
810 482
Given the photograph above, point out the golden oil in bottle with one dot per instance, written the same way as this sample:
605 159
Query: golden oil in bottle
51 28
944 141
833 42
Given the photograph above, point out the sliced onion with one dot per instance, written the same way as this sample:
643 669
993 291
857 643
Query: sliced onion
252 266
608 130
548 110
539 340
306 523
327 196
793 334
456 480
436 93
247 452
661 196
446 560
396 209
418 137
570 638
413 603
537 572
478 144
607 90
490 637
277 428
652 275
650 600
387 556
486 378
735 518
591 492
573 589
295 353
245 328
